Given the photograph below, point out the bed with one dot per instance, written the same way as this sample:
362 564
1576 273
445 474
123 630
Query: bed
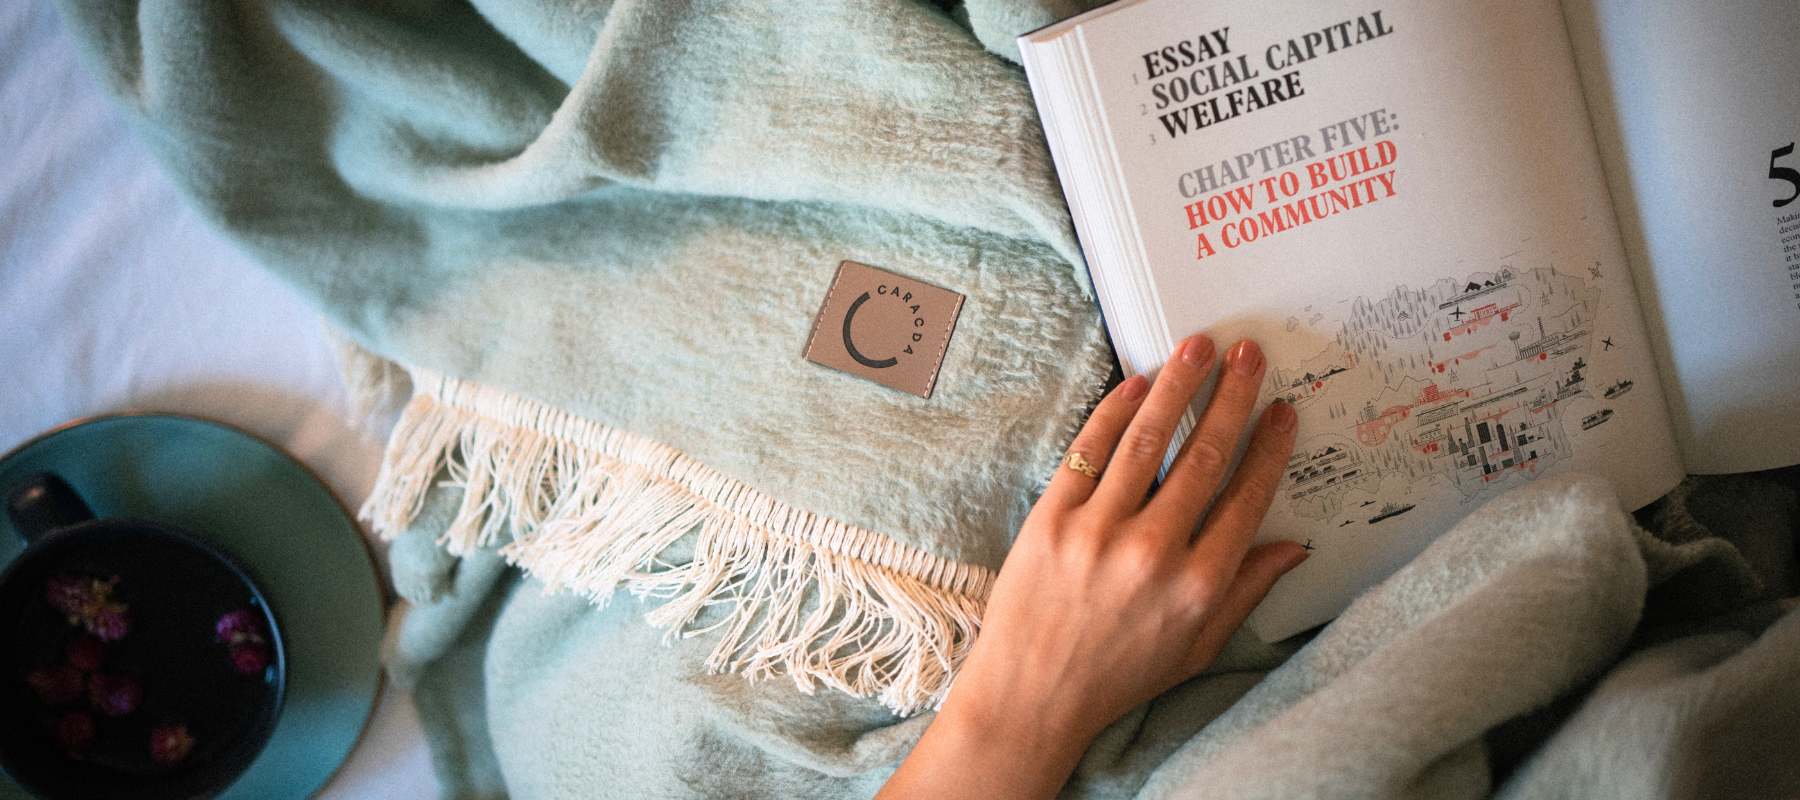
115 296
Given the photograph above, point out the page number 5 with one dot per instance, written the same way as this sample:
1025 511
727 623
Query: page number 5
1789 174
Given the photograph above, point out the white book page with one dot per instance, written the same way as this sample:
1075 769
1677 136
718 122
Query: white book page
1450 312
1691 103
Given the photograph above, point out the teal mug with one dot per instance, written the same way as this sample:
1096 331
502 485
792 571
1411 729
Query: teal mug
138 661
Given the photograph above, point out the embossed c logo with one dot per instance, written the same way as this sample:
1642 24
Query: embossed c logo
850 346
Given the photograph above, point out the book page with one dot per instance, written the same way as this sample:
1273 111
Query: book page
1697 110
1403 204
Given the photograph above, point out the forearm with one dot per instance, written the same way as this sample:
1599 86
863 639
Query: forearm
980 755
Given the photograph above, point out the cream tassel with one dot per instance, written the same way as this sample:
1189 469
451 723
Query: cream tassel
592 509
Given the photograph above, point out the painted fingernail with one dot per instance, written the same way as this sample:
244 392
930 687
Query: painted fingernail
1299 557
1197 350
1245 359
1282 416
1133 387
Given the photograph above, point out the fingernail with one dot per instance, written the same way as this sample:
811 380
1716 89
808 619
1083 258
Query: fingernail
1133 387
1282 416
1245 359
1300 556
1197 350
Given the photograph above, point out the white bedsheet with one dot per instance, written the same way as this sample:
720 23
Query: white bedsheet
115 296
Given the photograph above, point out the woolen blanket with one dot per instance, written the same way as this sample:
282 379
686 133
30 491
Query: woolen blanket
1546 647
596 237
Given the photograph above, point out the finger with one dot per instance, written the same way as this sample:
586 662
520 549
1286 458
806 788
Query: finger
1096 441
1233 521
1146 440
1200 466
1262 567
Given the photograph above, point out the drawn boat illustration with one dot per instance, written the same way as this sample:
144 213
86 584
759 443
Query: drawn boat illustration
1390 510
1595 419
1617 389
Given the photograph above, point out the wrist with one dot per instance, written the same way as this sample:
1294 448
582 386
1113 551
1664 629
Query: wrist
1027 729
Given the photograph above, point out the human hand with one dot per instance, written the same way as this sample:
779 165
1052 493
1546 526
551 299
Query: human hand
1109 596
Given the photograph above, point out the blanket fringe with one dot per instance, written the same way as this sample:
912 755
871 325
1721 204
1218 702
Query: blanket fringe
592 509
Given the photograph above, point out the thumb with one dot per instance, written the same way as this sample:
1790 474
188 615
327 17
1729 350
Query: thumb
1261 568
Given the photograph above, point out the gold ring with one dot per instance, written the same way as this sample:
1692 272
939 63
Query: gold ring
1079 463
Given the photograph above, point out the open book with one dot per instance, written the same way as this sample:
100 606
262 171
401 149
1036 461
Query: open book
1480 242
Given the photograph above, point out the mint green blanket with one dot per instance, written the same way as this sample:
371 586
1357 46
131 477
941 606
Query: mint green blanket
595 238
1547 647
585 245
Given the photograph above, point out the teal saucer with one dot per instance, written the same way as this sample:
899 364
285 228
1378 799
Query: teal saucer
277 520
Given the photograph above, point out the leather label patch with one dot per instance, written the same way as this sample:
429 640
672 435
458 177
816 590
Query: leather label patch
888 328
